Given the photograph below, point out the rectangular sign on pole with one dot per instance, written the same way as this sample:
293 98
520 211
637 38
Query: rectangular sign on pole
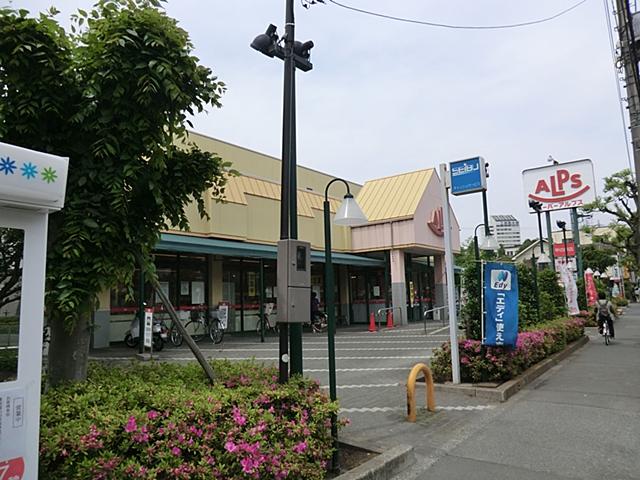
501 304
560 186
559 250
468 176
148 327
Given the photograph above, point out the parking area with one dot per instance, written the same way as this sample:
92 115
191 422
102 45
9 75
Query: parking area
371 367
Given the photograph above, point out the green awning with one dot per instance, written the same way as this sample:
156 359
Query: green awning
188 244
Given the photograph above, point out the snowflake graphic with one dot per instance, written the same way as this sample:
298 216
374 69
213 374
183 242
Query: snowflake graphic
7 166
29 170
49 175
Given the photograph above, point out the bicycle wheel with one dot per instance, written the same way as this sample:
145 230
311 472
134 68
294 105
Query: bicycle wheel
175 337
195 328
606 338
215 332
259 326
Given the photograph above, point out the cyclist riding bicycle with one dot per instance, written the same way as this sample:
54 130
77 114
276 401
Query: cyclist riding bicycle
605 312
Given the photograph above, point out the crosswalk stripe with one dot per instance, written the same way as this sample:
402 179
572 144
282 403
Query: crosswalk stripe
460 408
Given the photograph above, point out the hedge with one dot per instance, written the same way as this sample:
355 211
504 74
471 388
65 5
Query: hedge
162 421
479 363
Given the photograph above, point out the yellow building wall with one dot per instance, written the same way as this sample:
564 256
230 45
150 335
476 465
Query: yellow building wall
252 213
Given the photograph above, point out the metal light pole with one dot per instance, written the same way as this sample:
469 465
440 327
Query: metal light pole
476 252
349 214
563 226
295 55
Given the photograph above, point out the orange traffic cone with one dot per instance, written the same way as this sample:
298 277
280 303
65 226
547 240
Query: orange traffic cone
389 319
372 323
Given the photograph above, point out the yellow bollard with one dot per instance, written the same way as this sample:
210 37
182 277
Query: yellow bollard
411 390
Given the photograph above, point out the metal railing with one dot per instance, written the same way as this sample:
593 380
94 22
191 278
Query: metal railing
434 310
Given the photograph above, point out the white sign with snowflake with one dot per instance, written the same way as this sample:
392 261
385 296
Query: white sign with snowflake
32 179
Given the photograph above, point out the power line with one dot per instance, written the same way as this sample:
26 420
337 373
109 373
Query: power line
615 70
457 27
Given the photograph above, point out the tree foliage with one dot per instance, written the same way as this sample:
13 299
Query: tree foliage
114 96
11 248
598 256
620 200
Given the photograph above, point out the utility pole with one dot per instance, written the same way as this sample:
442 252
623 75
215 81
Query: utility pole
629 60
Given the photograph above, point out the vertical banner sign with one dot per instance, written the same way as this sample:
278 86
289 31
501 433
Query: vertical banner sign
570 289
590 288
501 304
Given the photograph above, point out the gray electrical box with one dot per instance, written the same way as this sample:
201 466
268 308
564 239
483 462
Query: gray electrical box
294 281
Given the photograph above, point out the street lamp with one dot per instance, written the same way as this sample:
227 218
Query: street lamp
563 226
543 259
349 214
295 55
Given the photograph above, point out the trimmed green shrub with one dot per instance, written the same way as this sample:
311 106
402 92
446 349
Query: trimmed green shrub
163 421
479 363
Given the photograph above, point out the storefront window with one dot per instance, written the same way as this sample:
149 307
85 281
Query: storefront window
183 278
193 273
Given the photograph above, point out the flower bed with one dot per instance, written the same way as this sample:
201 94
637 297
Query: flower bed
164 422
498 364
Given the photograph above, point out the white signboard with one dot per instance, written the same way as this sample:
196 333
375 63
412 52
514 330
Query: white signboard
223 316
561 186
148 327
34 183
33 179
12 433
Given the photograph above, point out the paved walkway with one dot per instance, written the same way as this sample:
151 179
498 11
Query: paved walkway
580 420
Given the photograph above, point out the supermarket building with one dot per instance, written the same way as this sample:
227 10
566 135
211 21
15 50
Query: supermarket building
397 259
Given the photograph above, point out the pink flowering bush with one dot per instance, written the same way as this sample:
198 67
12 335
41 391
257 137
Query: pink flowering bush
165 422
498 364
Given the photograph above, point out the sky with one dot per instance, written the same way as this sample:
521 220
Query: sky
386 98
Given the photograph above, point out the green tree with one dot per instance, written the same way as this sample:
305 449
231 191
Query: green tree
113 95
620 199
598 256
553 302
11 246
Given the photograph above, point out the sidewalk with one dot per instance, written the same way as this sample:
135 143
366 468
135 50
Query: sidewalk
580 420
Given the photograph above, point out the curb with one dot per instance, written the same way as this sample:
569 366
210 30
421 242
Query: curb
509 388
383 466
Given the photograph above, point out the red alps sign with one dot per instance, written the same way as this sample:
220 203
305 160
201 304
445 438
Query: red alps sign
560 186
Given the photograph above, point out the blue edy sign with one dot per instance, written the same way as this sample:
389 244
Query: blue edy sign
468 176
501 304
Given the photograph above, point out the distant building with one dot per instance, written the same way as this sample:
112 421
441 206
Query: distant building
506 228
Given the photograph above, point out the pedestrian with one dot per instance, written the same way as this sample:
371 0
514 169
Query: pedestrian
315 306
605 312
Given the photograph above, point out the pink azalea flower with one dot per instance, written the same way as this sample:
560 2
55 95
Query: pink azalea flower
131 425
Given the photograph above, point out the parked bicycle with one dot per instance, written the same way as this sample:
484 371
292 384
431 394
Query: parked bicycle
204 323
270 326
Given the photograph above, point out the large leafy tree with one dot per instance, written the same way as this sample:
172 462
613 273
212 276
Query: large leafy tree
113 95
620 200
11 246
598 256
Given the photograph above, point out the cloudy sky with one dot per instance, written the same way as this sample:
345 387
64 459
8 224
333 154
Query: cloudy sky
386 97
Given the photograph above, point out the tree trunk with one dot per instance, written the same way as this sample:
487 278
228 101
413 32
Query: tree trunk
69 351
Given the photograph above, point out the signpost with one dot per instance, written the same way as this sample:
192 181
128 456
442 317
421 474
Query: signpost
462 177
468 176
560 186
32 184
